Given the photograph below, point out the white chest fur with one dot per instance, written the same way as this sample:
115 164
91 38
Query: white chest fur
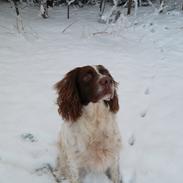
94 140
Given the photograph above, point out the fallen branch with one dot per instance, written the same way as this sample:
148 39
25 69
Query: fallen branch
98 33
68 27
47 168
50 168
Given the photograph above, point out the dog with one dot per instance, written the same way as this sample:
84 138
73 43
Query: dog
90 139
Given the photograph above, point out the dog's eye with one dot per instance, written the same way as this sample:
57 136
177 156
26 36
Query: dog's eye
103 71
87 77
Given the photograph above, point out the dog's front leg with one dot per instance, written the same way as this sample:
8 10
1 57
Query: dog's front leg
66 167
73 169
113 172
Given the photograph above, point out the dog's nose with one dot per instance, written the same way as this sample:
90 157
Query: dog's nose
105 81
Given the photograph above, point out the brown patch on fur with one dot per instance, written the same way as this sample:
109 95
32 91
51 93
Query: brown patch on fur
99 156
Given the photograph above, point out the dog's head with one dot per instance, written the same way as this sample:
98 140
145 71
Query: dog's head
83 85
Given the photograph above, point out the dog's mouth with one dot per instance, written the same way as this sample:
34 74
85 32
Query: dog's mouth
105 93
108 97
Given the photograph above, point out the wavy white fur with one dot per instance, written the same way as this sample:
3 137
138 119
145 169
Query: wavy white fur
92 143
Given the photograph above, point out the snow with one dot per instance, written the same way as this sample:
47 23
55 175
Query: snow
144 54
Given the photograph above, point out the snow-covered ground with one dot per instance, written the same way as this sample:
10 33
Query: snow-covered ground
144 54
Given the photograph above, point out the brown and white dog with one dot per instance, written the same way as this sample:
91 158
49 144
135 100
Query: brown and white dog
90 140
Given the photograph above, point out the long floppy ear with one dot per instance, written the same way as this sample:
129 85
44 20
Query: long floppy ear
113 103
70 107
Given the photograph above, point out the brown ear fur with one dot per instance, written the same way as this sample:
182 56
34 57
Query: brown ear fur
113 103
68 100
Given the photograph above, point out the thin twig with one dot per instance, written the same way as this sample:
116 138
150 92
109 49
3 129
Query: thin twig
68 27
98 33
50 168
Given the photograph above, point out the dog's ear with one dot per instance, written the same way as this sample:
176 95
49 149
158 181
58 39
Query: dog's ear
70 107
113 103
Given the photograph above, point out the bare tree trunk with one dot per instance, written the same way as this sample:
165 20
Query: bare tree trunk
19 23
136 7
161 6
129 7
69 2
68 11
44 9
139 3
16 7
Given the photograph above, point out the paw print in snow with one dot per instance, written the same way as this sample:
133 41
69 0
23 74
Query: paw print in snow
29 137
131 140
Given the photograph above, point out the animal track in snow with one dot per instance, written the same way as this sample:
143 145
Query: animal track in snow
147 91
143 114
29 137
42 170
131 140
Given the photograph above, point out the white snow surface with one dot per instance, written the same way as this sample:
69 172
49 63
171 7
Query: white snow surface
144 54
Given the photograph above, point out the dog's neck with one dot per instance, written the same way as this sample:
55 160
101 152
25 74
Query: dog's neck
95 116
96 111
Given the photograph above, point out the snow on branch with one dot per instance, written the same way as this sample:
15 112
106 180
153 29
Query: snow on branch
19 22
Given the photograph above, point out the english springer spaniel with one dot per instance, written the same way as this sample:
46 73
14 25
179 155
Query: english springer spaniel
89 140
